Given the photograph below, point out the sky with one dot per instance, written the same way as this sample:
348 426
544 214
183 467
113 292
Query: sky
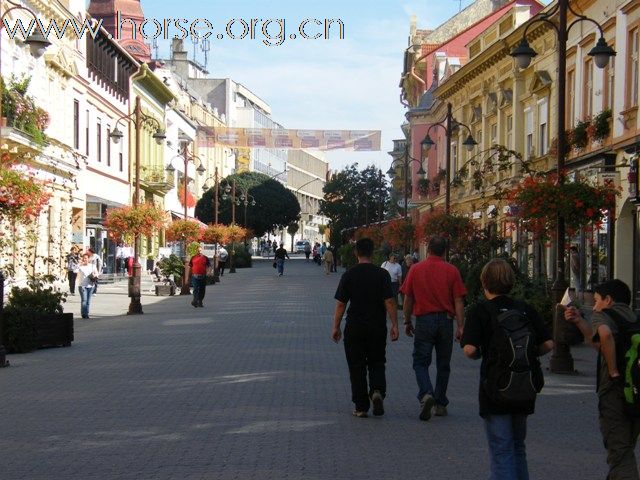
349 83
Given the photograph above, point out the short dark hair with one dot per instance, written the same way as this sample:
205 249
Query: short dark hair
437 246
497 277
91 250
616 289
364 248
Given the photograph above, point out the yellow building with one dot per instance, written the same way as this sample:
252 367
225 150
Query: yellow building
504 105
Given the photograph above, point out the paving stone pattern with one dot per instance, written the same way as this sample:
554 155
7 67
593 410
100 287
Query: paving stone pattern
251 387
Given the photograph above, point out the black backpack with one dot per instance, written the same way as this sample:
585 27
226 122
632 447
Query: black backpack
627 359
513 374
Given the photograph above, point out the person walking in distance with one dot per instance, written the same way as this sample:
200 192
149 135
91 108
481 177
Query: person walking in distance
334 266
73 262
406 265
223 256
395 272
96 261
279 256
615 334
88 277
328 261
434 293
494 330
198 266
307 250
366 288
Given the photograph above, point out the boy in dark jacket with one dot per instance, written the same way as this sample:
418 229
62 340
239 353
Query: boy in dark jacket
619 430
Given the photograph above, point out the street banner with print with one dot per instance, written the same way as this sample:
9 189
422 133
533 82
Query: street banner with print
356 140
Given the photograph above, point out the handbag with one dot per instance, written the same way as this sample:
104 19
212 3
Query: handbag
92 278
275 264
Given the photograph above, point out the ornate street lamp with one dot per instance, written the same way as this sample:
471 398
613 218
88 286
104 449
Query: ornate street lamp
561 359
469 143
187 156
139 119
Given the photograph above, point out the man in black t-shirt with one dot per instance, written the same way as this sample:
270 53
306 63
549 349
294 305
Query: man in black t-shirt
367 290
505 423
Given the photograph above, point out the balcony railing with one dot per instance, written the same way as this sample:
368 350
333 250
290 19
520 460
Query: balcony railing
157 178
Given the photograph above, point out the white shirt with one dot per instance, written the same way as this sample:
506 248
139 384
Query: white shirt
84 272
394 269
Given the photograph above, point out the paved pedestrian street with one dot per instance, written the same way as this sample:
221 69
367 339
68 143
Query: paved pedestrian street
252 387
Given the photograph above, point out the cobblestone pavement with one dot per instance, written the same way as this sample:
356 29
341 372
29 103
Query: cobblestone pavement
251 387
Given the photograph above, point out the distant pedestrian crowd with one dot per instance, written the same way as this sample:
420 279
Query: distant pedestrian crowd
508 336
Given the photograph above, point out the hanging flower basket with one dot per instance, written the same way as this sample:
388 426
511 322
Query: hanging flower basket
423 187
539 200
216 233
184 231
236 233
374 233
146 219
22 198
398 232
459 230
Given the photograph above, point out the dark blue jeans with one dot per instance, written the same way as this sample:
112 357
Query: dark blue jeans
199 287
280 265
85 300
433 330
506 434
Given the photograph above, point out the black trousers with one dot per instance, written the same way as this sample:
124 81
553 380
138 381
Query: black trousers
365 348
72 281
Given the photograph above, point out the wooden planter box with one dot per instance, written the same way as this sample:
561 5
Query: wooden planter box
165 290
54 330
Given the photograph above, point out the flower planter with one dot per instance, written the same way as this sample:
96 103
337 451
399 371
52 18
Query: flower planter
165 290
54 330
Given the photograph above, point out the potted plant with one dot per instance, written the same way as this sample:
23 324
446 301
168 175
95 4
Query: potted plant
170 266
34 317
580 134
423 187
602 125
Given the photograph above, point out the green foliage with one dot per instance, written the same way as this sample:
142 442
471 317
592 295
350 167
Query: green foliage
172 265
601 126
24 304
242 257
192 249
580 134
352 198
347 254
21 111
276 206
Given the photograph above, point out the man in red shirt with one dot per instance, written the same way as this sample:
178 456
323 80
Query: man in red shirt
198 265
434 293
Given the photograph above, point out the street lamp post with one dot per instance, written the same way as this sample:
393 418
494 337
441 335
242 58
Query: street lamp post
138 118
301 221
561 359
187 156
406 160
448 125
37 44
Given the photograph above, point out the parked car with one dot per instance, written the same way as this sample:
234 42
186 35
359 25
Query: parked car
300 246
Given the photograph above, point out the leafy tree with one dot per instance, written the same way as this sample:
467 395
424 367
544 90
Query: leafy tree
353 198
292 229
276 206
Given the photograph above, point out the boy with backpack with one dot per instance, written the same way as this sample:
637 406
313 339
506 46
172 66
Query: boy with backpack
615 333
509 336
